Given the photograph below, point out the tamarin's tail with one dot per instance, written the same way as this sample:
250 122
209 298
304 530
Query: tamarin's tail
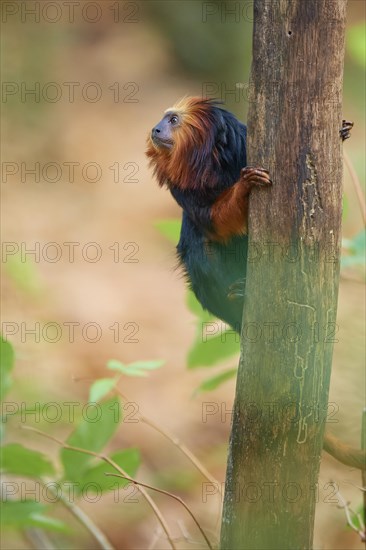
355 458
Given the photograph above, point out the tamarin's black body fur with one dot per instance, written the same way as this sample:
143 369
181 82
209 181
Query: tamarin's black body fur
212 270
199 151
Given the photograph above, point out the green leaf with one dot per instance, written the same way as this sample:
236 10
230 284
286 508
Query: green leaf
95 480
18 460
359 242
100 388
114 364
6 355
23 273
46 522
356 248
216 381
146 365
134 369
206 353
169 229
352 261
6 366
355 43
16 511
93 433
26 513
358 513
132 372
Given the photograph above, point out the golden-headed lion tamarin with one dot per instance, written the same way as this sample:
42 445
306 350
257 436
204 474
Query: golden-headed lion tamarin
198 150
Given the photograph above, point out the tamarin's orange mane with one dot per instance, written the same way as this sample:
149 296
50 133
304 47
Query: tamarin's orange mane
189 163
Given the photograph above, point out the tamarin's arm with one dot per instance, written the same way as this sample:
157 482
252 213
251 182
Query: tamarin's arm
227 215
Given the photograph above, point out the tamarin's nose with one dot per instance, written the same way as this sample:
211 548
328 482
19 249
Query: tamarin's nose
155 130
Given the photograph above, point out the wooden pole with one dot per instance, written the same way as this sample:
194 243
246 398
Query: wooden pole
289 320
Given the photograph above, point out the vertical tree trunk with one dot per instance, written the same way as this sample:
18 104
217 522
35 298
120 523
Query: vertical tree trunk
289 322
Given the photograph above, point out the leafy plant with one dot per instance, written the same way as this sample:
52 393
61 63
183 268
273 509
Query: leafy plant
213 344
356 249
79 463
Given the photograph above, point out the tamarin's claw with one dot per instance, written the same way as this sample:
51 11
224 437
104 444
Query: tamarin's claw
251 176
345 131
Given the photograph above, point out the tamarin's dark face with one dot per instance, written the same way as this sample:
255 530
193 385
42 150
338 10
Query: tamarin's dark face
162 134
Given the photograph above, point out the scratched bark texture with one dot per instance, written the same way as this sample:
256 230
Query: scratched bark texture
289 322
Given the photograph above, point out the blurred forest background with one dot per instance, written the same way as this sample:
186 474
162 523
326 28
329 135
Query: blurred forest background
141 56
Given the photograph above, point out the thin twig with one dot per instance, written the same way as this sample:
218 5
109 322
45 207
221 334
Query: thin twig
157 535
140 484
88 524
38 539
348 512
362 489
356 185
84 519
183 448
114 465
184 530
186 537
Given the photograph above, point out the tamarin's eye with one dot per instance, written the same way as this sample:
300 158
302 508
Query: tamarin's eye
174 120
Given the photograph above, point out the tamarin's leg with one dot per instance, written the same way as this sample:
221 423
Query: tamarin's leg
229 213
345 131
